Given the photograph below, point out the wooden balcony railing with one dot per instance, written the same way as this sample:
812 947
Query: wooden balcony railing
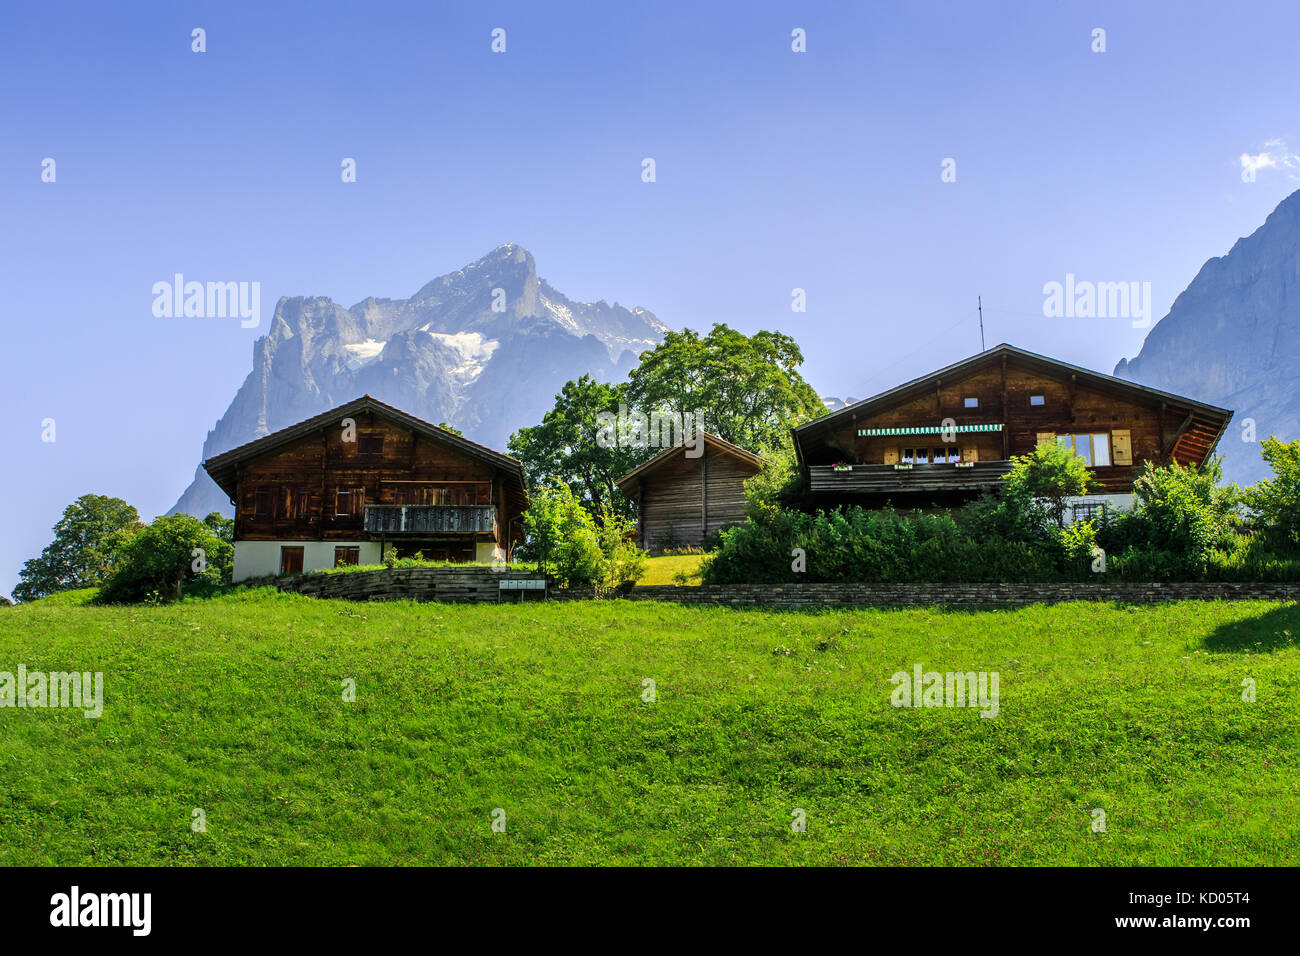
886 478
429 519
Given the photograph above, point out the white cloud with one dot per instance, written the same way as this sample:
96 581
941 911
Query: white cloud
1275 155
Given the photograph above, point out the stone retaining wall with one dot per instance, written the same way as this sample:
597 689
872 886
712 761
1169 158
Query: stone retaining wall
481 585
469 584
897 595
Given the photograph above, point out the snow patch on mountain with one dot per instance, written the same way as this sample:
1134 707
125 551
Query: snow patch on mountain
475 352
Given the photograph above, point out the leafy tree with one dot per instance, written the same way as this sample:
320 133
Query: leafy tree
451 428
221 526
564 448
779 485
563 538
747 387
160 561
1050 474
81 554
624 562
1276 501
560 535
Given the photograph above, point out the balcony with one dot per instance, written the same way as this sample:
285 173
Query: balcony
875 479
430 519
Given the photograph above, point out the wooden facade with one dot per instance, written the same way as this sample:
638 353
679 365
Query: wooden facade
942 438
682 500
366 478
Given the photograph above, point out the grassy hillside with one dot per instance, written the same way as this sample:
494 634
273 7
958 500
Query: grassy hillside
235 706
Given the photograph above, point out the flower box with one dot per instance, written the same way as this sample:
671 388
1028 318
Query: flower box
841 467
903 466
965 464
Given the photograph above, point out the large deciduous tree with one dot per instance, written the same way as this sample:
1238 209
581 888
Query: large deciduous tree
564 447
747 387
81 555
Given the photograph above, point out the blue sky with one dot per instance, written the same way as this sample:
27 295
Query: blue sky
775 170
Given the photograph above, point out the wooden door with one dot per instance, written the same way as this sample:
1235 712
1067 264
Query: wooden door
291 560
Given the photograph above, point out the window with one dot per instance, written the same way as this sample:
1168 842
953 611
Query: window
291 560
1037 400
276 502
923 456
297 503
1094 449
1086 510
371 443
970 402
347 555
264 502
349 502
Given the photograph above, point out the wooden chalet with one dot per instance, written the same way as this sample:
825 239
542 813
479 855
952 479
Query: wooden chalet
942 438
681 500
363 479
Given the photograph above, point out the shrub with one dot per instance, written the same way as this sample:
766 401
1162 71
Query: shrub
1276 501
1078 543
1180 517
564 540
1049 475
174 555
1183 526
624 562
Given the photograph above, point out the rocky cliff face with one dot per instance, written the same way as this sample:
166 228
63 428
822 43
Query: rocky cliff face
1232 338
484 349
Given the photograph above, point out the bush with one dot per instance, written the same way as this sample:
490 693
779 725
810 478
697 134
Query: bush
1275 501
1180 518
564 540
175 555
1044 479
1183 526
856 544
624 562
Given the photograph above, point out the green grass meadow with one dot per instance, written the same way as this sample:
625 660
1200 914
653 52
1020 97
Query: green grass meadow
235 705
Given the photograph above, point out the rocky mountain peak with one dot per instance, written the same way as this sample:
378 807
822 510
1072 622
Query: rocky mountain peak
1232 338
485 348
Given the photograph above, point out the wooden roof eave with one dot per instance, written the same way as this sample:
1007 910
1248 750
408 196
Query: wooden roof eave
222 467
633 477
925 383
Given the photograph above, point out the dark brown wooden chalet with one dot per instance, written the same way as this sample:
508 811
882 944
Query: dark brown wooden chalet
941 438
360 480
682 500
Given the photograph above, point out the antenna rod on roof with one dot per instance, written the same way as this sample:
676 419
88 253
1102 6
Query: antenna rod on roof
980 302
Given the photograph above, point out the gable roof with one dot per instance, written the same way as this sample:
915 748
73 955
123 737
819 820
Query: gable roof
925 383
223 467
661 459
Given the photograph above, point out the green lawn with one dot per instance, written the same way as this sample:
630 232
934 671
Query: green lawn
234 705
664 569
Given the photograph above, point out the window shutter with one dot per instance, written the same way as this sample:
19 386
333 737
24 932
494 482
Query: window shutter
891 456
970 453
1121 447
1046 438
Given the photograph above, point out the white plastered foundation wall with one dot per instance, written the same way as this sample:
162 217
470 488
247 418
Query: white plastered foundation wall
258 559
